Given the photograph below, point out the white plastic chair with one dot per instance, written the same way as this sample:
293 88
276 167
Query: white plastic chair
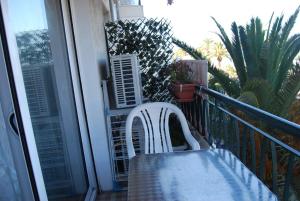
155 120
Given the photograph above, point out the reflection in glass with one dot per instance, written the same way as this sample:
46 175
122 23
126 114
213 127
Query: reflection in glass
9 184
43 57
130 2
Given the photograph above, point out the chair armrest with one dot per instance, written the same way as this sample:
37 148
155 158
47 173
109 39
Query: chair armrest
192 141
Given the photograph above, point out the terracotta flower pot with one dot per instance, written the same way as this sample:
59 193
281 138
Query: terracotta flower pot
183 92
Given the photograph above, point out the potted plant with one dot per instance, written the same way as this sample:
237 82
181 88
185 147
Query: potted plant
182 85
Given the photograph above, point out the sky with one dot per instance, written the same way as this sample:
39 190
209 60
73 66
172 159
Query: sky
27 15
191 19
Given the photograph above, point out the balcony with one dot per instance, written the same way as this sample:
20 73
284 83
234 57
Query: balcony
265 143
61 137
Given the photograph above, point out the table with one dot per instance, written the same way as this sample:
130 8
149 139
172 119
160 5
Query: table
205 175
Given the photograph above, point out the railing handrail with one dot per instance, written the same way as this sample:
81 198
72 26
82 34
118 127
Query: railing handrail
273 120
267 156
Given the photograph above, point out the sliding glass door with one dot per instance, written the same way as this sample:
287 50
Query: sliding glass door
38 30
15 182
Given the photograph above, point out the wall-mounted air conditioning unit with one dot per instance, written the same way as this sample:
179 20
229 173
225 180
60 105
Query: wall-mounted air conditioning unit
126 80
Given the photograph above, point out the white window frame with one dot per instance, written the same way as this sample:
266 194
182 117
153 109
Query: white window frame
88 20
25 114
86 145
23 104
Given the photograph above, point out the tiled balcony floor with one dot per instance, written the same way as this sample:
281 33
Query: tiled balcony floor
199 138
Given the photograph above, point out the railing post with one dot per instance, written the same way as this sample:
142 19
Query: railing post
209 122
216 121
198 107
225 134
253 151
256 147
236 130
203 114
244 147
262 160
192 113
204 117
288 177
274 168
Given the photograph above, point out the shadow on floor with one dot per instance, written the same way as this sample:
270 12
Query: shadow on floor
112 196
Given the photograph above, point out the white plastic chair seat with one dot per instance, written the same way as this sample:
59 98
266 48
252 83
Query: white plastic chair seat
155 120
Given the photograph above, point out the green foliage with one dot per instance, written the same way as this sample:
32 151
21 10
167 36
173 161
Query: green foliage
179 54
207 47
264 61
180 72
268 76
213 50
249 97
151 40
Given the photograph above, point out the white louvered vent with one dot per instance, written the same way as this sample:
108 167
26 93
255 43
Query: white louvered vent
125 73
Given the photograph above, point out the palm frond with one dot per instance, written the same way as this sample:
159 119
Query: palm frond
263 59
275 30
234 49
249 97
267 59
273 48
230 85
290 50
262 90
286 29
187 48
287 94
237 55
269 26
279 50
248 52
223 36
258 41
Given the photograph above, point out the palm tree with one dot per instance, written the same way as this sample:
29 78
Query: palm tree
219 53
263 59
213 50
179 54
206 47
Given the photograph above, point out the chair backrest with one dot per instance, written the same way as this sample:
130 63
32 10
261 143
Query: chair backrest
155 120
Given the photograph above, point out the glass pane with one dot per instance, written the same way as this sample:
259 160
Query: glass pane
39 32
9 184
129 2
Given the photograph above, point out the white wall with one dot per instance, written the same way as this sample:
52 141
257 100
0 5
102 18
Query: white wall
88 19
130 12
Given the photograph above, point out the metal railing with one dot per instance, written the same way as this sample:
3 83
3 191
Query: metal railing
256 137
